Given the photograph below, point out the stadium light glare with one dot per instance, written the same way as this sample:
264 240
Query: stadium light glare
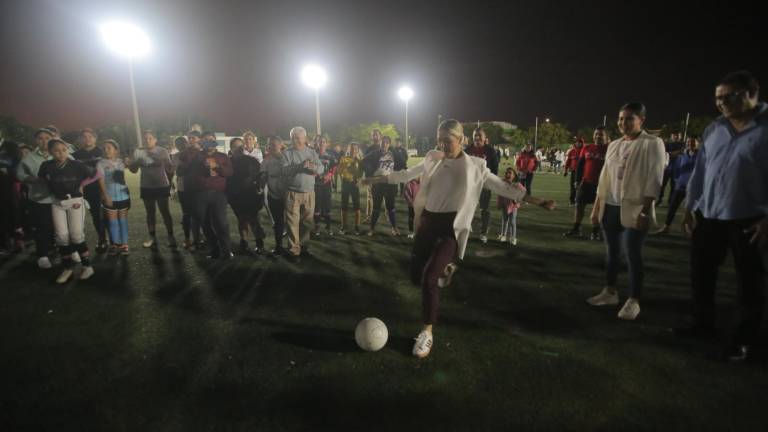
314 76
125 39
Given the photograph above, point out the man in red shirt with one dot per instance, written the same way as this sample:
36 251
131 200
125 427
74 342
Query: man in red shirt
526 166
587 174
571 163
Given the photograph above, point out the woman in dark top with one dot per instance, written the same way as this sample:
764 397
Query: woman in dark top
90 155
65 179
245 195
156 172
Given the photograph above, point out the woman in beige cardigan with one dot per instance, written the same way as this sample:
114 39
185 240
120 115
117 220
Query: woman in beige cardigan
629 183
451 183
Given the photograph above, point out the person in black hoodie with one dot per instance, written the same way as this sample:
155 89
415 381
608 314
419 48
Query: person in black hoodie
482 149
245 194
369 167
90 155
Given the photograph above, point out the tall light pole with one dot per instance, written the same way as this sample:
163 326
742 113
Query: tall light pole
315 77
131 42
405 93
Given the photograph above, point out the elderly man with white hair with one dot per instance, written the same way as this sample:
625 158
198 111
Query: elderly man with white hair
301 164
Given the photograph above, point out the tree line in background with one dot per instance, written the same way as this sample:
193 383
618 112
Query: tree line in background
550 134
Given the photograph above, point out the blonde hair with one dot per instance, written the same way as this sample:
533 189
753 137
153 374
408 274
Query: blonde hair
453 127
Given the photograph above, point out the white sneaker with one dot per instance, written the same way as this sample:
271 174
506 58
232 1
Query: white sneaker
605 297
75 257
484 239
513 241
423 344
149 243
445 280
410 235
44 262
64 276
502 238
631 310
86 272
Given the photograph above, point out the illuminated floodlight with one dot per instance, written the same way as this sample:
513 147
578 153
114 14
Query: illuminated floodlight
125 39
314 76
405 93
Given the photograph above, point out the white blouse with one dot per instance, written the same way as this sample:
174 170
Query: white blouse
446 186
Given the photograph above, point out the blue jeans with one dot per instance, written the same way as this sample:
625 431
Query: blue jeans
630 240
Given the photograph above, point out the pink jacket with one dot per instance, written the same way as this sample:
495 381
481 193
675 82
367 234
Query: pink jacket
509 205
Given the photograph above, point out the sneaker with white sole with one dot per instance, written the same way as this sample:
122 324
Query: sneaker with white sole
513 241
423 345
630 310
410 235
445 280
149 243
64 276
86 272
75 257
606 297
503 238
44 262
483 239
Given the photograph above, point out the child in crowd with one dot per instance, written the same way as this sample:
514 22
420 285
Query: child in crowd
508 209
115 197
65 179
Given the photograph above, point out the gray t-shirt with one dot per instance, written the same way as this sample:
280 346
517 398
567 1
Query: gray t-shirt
154 165
300 180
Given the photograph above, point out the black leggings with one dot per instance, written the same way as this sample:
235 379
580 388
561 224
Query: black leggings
162 203
675 200
350 190
383 192
277 210
94 201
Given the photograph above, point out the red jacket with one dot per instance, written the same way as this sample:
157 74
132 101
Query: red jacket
218 182
572 158
526 162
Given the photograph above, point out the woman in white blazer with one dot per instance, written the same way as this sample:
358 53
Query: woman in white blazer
451 183
629 183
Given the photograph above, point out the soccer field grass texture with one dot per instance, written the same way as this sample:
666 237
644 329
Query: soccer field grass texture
166 340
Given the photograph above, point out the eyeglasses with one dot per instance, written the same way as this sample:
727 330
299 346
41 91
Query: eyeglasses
729 98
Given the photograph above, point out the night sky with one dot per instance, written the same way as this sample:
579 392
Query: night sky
237 63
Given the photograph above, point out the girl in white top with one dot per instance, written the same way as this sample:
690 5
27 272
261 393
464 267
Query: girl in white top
451 183
629 183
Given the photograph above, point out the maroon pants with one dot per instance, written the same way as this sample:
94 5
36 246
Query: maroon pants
434 247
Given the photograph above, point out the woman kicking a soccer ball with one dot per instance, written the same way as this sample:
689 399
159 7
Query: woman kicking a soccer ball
451 182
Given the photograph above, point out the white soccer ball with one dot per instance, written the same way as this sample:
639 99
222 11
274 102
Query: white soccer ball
371 334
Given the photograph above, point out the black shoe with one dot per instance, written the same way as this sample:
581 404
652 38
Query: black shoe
295 259
102 247
305 253
244 249
574 233
597 236
696 331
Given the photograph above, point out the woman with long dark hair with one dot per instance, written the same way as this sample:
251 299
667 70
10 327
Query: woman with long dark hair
629 184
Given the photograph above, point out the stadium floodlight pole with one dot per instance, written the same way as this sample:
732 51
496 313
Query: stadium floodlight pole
536 133
605 119
315 77
131 42
685 133
405 93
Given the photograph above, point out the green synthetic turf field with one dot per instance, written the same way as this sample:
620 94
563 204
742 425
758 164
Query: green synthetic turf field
168 341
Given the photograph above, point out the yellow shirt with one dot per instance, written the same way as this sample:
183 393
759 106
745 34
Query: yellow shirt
350 169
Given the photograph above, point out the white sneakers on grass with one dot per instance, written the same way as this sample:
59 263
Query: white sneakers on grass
513 241
630 310
64 276
44 262
483 239
607 297
86 272
423 345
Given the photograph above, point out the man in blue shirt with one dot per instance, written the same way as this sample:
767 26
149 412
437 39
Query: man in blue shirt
728 209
